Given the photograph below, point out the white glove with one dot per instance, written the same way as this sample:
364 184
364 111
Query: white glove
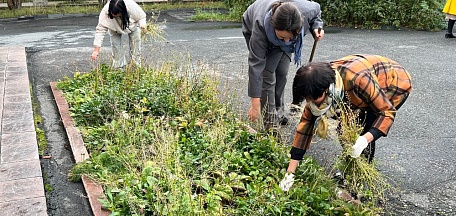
360 145
287 182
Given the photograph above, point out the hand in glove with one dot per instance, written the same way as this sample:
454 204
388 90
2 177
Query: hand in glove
287 182
360 145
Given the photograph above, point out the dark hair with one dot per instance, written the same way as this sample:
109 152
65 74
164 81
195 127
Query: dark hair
116 7
313 79
286 16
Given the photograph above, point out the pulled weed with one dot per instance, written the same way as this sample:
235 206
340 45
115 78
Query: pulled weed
153 29
360 177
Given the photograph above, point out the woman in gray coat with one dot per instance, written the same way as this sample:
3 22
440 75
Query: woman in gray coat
273 31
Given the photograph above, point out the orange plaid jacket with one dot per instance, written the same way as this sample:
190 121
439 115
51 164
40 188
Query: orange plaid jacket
370 82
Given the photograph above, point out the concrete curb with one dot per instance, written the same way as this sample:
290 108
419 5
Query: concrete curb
93 189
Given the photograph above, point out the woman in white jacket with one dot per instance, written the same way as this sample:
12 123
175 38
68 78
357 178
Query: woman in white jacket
120 17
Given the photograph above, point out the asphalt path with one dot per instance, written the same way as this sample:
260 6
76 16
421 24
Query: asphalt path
418 155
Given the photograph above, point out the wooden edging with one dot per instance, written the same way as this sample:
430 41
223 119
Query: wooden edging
94 191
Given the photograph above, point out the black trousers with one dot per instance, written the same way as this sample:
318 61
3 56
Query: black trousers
368 117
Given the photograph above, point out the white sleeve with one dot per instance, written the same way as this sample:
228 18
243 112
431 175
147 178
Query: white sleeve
136 12
101 29
100 32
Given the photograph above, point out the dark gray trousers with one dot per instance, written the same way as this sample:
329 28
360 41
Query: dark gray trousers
274 81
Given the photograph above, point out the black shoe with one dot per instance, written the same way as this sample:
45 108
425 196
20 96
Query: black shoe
283 120
449 35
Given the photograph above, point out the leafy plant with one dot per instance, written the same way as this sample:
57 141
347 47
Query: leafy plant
421 15
163 141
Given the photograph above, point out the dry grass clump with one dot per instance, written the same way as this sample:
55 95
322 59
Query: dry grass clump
360 177
153 30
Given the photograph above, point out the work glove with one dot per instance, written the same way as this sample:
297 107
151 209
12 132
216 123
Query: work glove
360 145
287 182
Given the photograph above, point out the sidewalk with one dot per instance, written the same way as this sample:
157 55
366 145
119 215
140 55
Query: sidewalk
21 182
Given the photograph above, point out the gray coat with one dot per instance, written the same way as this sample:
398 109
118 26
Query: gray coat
257 41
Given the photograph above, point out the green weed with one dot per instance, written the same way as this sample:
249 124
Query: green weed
165 140
360 177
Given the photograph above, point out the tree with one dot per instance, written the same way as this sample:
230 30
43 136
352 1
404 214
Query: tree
14 4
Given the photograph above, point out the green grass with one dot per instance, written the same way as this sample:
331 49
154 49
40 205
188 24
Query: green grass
38 120
32 11
162 142
89 9
214 15
48 188
165 140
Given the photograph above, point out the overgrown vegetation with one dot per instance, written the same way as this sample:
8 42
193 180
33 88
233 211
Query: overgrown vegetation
412 14
162 142
153 30
33 11
95 9
37 121
420 15
360 178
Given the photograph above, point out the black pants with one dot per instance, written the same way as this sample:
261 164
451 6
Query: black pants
368 117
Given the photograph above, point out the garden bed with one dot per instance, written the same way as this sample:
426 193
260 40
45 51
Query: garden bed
162 141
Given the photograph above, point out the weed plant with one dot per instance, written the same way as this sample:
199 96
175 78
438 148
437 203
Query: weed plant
164 140
360 177
31 11
153 29
95 9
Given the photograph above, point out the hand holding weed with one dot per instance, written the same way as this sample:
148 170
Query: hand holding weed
360 177
143 29
152 31
254 114
360 145
287 182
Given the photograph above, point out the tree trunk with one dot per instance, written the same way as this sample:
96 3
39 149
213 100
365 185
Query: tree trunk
14 4
102 3
10 4
18 4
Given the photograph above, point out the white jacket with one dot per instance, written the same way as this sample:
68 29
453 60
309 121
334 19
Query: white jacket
137 17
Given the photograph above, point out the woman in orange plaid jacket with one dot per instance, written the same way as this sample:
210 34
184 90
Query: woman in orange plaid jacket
375 85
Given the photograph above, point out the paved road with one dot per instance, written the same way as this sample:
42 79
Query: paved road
418 154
